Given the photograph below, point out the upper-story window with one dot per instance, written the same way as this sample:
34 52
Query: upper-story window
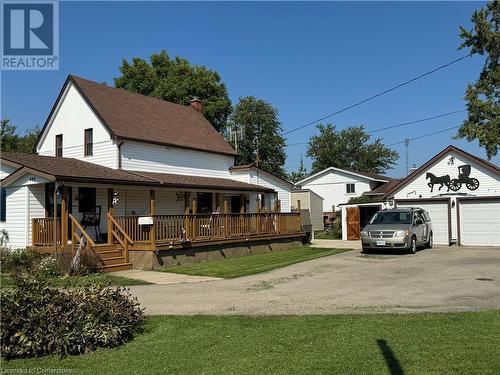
88 149
349 189
59 145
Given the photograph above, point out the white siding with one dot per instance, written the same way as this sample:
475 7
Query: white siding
16 223
5 170
331 186
162 159
36 203
167 203
266 180
489 183
71 118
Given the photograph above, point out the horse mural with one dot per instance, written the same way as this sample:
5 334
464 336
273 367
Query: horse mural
434 180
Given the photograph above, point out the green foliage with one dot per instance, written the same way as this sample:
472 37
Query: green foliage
10 141
39 320
300 174
261 143
363 199
177 81
349 149
483 96
19 261
23 261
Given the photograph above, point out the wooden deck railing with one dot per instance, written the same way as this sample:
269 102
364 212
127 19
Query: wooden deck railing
199 227
120 235
42 231
78 234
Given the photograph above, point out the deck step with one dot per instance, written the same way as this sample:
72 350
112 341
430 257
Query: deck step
115 260
104 255
116 267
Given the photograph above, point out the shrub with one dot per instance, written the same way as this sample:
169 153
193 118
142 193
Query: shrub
38 320
86 265
19 260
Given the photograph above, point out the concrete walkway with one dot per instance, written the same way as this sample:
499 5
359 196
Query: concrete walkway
337 244
162 278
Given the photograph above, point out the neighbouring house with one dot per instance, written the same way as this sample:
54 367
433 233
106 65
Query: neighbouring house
311 202
460 191
142 181
336 186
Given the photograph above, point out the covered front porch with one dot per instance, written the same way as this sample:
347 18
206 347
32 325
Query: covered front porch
115 220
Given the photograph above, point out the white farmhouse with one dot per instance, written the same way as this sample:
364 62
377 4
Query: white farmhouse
131 175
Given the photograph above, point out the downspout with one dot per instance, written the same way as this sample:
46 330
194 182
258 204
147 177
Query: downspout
120 154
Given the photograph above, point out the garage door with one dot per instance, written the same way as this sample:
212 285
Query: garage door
480 222
439 214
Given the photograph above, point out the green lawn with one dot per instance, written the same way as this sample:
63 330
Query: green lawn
457 343
230 268
72 281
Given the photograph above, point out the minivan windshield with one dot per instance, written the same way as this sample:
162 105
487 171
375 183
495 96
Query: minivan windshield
391 217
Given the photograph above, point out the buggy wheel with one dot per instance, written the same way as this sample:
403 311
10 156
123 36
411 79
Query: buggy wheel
472 184
455 184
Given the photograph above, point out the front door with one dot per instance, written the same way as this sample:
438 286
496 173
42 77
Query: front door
353 223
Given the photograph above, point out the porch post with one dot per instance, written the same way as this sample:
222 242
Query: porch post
152 210
110 212
195 208
64 217
55 215
242 204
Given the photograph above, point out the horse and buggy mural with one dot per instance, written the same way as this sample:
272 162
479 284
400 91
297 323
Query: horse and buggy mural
454 184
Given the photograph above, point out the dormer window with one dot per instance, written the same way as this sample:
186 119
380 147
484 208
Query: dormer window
88 148
59 145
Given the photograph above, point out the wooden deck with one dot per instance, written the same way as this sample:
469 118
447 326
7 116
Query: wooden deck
166 232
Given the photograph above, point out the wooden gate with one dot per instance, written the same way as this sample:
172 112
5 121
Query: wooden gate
353 223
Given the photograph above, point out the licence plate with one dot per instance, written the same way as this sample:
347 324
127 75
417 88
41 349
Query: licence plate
380 242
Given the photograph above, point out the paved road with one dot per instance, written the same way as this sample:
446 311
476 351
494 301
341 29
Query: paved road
441 279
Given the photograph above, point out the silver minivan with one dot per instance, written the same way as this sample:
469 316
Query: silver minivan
400 228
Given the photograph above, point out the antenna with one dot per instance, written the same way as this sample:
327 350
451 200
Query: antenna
407 144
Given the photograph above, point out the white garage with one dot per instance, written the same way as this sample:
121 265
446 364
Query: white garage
440 213
479 221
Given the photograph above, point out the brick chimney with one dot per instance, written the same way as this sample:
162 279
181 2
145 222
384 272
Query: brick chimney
196 103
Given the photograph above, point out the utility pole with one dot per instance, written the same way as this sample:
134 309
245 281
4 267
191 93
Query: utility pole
407 144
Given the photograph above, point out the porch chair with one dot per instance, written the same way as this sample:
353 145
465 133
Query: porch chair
93 219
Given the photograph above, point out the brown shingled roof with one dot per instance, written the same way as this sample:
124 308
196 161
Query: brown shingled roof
168 179
132 116
74 170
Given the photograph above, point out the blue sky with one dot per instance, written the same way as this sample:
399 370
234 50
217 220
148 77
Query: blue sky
307 59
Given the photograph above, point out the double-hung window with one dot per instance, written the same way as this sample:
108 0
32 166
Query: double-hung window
88 145
350 189
59 145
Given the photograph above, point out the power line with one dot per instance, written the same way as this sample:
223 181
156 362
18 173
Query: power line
424 136
380 93
397 143
400 124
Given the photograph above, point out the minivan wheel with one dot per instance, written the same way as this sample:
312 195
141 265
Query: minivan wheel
413 245
430 242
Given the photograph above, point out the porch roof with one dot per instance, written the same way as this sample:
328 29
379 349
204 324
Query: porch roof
74 170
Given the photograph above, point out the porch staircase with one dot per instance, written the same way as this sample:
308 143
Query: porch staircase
112 257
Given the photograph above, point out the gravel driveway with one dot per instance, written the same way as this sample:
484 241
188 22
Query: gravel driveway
441 279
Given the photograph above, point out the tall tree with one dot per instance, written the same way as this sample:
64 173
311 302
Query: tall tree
177 81
300 174
349 149
10 141
483 96
261 143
